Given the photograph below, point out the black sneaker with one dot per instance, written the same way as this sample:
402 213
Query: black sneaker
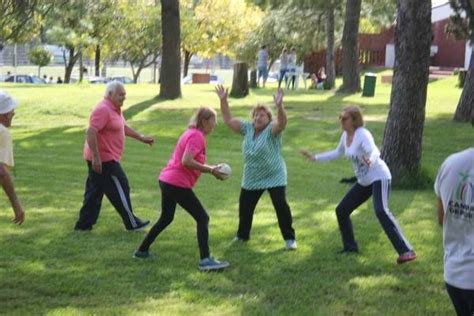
83 229
141 254
140 226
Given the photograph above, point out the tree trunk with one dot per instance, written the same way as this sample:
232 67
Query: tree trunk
170 87
97 61
465 109
240 81
330 65
350 49
404 128
187 59
69 65
81 67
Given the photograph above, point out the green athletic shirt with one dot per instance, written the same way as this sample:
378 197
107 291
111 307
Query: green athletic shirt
264 166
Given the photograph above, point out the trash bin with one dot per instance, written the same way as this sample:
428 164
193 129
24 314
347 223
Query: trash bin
369 84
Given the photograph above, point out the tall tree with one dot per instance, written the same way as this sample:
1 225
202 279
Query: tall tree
462 27
330 32
16 20
296 24
403 134
40 57
210 27
69 26
170 83
350 48
103 14
138 34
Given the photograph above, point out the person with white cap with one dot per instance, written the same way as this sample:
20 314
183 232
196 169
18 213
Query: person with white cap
7 110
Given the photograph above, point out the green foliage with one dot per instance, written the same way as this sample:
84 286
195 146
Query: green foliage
39 56
137 35
287 27
69 25
376 15
211 27
461 24
17 21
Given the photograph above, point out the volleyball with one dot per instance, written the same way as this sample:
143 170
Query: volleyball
225 169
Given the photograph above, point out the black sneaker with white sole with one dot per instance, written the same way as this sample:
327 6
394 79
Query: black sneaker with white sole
141 226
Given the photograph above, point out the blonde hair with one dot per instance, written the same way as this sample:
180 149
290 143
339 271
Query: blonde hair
202 114
262 107
355 113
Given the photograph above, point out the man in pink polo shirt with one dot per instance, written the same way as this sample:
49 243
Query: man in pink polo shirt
103 150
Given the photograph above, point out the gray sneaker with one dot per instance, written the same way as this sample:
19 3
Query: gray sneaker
211 264
290 244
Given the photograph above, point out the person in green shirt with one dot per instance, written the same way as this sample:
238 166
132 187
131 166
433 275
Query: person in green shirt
264 167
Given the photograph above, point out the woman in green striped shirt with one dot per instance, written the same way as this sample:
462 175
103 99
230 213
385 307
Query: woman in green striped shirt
264 167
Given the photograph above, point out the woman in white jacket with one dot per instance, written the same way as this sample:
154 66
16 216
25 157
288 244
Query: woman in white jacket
373 179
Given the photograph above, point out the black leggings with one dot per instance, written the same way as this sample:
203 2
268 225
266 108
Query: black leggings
463 300
170 196
247 203
358 194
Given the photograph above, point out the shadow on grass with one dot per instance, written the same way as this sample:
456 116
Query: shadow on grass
48 267
133 110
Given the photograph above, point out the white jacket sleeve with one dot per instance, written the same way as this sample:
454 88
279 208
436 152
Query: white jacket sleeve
333 154
368 146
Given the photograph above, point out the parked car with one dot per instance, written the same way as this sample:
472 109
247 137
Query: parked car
122 79
25 79
97 80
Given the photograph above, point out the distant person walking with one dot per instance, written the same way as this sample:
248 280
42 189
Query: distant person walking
454 188
7 111
176 182
373 179
262 65
283 66
292 68
103 151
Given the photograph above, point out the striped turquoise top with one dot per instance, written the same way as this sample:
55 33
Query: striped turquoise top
264 166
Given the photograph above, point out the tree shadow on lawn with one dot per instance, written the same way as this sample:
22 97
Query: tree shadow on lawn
316 280
134 109
91 273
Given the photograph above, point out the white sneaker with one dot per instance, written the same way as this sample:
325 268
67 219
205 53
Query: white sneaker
290 244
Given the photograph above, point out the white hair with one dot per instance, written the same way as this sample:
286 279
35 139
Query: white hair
112 87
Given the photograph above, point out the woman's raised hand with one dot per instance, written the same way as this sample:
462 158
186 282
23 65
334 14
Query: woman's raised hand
222 92
278 98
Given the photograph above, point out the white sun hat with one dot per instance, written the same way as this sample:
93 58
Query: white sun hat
7 104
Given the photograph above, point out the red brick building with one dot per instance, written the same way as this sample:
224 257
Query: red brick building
379 49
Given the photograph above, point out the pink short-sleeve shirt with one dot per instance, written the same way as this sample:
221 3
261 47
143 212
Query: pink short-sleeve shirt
194 142
108 121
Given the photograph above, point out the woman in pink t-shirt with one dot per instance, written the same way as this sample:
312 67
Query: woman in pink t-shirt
176 182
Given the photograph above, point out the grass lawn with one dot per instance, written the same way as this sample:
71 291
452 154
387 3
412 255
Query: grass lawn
48 269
